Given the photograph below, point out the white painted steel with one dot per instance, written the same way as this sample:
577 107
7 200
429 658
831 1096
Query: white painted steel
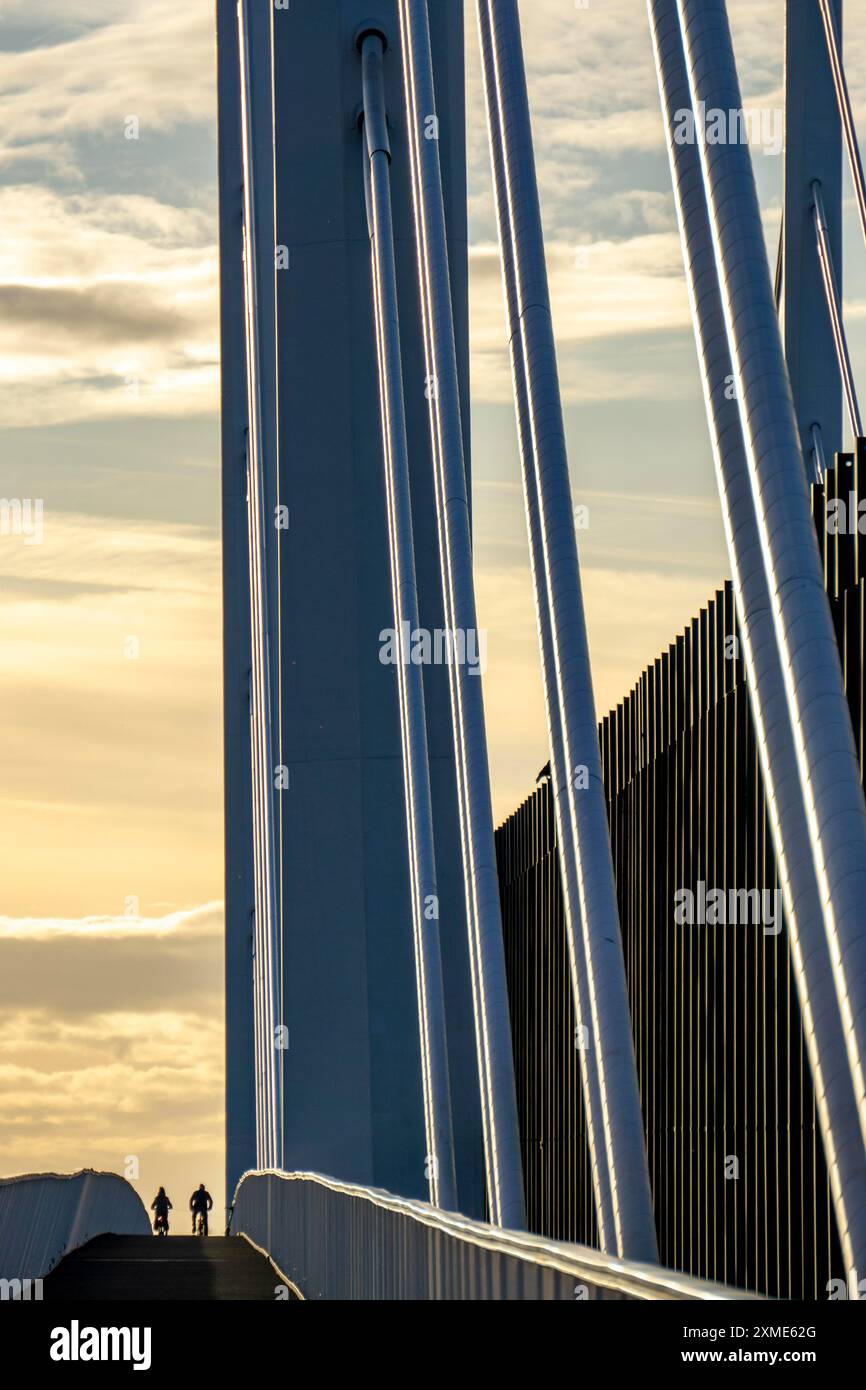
43 1216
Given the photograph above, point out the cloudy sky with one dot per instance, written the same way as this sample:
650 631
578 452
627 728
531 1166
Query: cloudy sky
110 809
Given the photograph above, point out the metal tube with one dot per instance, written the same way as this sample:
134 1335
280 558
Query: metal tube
256 956
419 807
260 828
240 1063
490 993
822 1026
580 789
256 775
571 897
834 308
847 115
482 1052
482 1056
819 459
261 676
256 728
812 150
814 690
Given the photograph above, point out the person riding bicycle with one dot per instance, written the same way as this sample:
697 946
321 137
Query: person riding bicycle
162 1206
200 1204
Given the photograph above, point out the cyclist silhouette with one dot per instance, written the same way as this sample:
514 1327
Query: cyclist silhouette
200 1204
162 1206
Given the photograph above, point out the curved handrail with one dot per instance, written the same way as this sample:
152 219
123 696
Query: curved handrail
61 1212
621 1278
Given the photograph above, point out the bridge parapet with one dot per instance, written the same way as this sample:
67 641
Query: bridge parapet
45 1215
333 1240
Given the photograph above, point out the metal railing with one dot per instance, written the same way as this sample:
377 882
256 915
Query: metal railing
333 1240
45 1215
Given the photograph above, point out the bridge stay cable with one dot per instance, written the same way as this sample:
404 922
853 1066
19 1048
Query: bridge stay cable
834 308
578 785
843 97
817 453
484 921
482 1050
814 691
813 974
376 153
266 927
571 897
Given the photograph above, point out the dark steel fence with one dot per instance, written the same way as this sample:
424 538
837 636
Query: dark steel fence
738 1173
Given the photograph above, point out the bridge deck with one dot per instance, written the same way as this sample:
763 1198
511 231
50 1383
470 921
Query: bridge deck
180 1268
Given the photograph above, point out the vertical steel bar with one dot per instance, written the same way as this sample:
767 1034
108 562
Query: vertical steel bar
571 897
840 81
240 1035
416 770
812 150
579 789
834 308
496 1066
757 629
261 676
819 459
818 711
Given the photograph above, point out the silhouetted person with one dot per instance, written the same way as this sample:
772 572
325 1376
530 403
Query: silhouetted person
200 1202
162 1206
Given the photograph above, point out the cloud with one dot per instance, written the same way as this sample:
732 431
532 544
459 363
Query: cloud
194 925
597 127
105 314
174 1072
602 292
108 307
72 968
115 747
111 1045
97 64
